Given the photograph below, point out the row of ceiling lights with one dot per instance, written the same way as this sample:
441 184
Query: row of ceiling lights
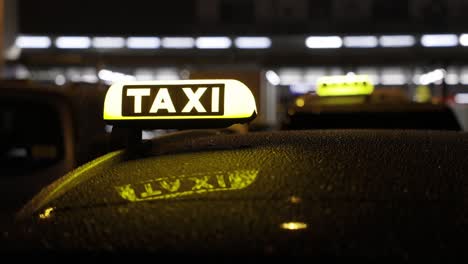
82 42
223 42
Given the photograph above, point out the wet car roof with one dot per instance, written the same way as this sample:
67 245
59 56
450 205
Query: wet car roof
330 180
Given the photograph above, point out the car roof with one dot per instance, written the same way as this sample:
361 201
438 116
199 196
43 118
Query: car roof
370 112
328 179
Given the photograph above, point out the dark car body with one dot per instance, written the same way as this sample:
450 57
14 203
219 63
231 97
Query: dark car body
376 111
45 132
36 123
324 193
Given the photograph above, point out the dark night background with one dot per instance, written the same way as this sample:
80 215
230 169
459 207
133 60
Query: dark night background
240 17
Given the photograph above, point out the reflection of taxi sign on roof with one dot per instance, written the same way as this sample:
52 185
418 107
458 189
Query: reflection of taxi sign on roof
344 85
179 104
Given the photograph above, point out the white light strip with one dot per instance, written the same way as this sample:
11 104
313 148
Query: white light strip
397 41
33 42
360 42
17 153
108 42
73 42
143 43
110 76
325 42
392 76
463 40
451 78
432 77
439 40
301 88
464 76
213 43
272 77
166 74
393 79
371 72
178 42
253 42
461 98
290 76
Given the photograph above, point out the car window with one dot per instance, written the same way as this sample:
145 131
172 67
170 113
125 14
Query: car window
31 135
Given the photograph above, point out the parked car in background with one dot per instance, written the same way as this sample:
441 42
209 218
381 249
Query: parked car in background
45 131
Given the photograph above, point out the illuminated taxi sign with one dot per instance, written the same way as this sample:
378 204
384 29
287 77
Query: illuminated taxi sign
344 85
173 100
186 103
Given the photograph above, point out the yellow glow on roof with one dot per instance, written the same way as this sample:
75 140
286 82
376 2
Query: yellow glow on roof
294 225
169 188
344 85
74 176
47 213
295 199
238 101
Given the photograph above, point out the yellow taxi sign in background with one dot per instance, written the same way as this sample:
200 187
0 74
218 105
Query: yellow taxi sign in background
344 85
181 103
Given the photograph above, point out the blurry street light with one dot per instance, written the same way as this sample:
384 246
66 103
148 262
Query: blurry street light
272 77
108 42
253 42
324 42
143 42
178 42
213 43
360 41
397 41
73 42
439 40
33 42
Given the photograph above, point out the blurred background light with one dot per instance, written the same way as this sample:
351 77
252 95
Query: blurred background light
397 41
272 77
167 74
439 40
290 76
301 88
432 77
464 75
463 39
60 79
371 72
324 42
178 42
143 43
73 42
111 76
451 76
108 42
33 42
461 98
360 41
213 42
393 76
253 42
311 75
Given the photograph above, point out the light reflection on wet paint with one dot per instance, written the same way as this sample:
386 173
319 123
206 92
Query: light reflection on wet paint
166 188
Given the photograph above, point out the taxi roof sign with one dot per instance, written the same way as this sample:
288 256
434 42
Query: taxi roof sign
179 104
344 85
